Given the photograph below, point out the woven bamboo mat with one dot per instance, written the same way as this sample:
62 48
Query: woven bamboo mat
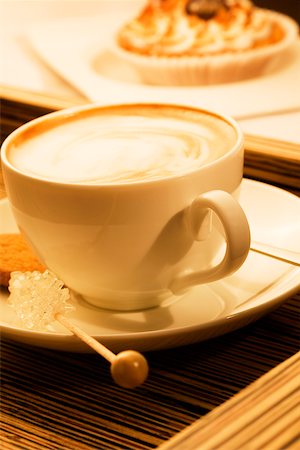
264 415
55 400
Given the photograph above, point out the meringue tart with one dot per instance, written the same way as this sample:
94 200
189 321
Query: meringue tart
190 42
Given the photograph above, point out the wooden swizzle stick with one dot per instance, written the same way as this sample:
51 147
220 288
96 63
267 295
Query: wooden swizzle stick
129 368
40 298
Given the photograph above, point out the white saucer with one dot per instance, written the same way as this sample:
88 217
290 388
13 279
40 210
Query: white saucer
78 49
204 312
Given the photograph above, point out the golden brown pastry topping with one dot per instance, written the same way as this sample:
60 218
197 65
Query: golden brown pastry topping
198 27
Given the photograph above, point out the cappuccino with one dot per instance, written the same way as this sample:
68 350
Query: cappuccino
115 200
122 144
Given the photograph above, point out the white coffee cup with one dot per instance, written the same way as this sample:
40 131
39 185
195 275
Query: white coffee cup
130 204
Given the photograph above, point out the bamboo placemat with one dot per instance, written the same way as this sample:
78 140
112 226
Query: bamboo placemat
264 415
272 160
62 401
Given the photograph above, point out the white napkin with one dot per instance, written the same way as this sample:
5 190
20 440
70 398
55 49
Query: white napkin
78 50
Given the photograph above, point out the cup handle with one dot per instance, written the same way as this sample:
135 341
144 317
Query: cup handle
237 236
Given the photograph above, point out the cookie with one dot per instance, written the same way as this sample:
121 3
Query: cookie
16 255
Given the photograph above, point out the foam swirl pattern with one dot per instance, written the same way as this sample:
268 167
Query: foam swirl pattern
121 149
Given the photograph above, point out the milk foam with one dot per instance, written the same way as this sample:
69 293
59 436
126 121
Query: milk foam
122 148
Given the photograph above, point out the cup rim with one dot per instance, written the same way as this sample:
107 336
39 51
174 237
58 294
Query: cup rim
73 111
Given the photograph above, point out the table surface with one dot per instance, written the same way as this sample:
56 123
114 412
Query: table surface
57 400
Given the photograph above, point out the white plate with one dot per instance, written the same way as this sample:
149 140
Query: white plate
77 48
205 311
